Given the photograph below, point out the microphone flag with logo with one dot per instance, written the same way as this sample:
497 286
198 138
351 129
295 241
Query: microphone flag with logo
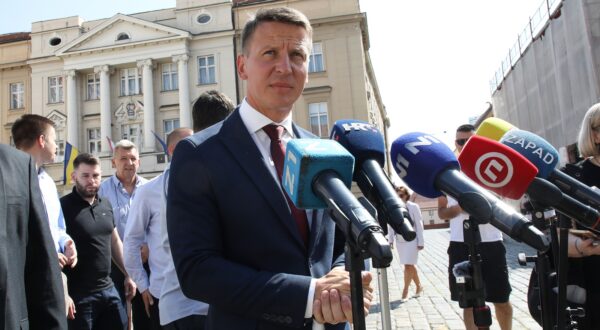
496 167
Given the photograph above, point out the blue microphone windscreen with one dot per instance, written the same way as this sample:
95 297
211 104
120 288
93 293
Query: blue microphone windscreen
363 140
418 158
537 150
304 160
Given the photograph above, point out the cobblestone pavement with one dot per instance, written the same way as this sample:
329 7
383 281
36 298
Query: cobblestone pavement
434 309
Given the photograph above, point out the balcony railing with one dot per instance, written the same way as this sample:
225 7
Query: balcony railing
534 28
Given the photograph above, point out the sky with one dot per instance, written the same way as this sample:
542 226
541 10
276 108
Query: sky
432 59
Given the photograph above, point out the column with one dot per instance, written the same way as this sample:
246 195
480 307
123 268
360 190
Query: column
185 113
72 115
148 86
105 113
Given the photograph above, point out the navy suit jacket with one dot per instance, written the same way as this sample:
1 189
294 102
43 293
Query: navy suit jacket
31 291
233 239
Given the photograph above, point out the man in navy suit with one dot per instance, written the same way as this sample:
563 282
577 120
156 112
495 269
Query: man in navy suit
237 242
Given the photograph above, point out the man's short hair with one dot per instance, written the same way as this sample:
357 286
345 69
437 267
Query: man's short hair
85 158
125 145
466 128
28 128
281 15
210 107
177 134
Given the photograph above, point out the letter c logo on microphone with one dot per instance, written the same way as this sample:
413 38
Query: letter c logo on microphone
494 169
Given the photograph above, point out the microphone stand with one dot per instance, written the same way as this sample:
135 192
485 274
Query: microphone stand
542 266
370 242
474 297
382 279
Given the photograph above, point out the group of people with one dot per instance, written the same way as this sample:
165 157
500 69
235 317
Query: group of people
215 228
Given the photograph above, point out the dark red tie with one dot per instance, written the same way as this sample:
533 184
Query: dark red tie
277 154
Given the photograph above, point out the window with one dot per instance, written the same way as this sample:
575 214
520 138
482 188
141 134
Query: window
16 95
93 86
55 89
169 125
317 114
94 140
169 77
133 133
123 36
206 70
315 62
203 18
54 41
60 151
131 82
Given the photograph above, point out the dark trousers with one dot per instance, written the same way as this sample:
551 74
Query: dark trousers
192 322
154 315
140 318
98 311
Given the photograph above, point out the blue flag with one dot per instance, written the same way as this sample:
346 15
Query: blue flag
161 141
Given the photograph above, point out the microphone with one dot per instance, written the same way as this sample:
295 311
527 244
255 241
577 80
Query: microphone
493 165
430 168
543 155
496 167
317 174
365 143
494 128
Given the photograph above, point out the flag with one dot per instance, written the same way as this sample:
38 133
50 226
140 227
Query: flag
162 143
70 154
111 145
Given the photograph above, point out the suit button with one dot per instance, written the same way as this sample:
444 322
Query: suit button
288 320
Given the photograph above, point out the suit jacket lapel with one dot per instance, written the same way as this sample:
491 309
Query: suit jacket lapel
238 141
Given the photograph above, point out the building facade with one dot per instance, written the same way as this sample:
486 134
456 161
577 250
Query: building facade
550 76
134 76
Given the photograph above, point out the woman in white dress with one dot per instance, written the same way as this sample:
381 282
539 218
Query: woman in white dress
408 252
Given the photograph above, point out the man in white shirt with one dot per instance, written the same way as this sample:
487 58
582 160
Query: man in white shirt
491 248
144 226
36 135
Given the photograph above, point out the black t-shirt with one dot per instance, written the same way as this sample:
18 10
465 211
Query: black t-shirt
91 227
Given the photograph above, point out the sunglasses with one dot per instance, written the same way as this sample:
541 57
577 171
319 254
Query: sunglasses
461 142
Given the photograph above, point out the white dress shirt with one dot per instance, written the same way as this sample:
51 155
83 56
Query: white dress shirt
56 219
143 226
172 304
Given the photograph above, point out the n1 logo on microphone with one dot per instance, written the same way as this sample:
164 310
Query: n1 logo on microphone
304 160
401 163
494 165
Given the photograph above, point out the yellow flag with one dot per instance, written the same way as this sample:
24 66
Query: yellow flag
70 154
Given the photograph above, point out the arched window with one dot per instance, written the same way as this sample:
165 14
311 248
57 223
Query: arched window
123 36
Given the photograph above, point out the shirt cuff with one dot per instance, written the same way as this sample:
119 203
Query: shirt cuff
308 312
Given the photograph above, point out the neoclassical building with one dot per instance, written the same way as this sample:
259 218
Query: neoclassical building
136 75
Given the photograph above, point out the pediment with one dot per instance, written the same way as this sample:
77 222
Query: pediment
59 119
121 31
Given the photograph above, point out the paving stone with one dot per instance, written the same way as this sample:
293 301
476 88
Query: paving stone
434 309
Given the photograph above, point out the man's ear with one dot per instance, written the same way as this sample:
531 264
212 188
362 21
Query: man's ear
73 177
241 66
112 161
41 141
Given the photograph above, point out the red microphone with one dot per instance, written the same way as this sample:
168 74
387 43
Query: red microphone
496 167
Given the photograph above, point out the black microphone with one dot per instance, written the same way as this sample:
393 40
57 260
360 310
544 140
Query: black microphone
429 167
544 192
366 144
317 174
